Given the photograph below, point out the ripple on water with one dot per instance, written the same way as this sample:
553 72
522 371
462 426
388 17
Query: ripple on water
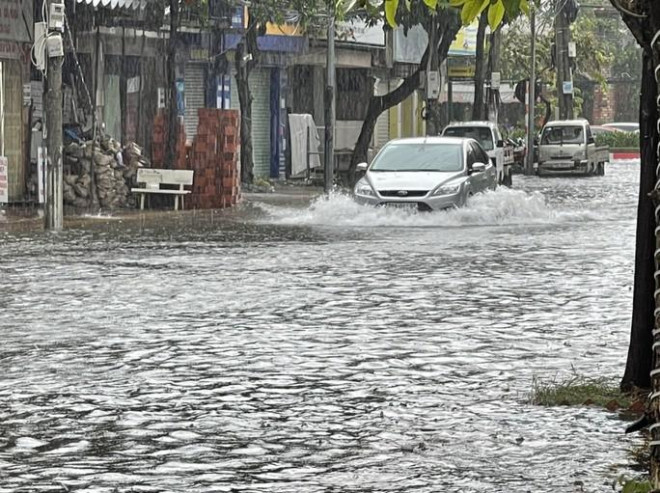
307 350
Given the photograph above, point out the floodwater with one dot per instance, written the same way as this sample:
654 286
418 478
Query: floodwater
323 348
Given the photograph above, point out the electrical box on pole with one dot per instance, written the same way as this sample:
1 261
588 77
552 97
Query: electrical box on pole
495 80
39 48
432 84
56 17
572 50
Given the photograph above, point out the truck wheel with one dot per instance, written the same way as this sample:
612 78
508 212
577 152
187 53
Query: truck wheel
601 169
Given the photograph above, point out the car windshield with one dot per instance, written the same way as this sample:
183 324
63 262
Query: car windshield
562 135
419 157
480 134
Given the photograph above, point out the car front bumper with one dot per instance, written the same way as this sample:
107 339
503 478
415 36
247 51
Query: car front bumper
563 168
428 203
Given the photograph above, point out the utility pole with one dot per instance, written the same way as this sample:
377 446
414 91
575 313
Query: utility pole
54 217
329 148
531 95
431 80
562 61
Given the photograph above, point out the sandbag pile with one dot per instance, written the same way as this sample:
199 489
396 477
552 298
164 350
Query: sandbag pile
115 170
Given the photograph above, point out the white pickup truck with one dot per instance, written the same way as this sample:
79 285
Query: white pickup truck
567 147
490 138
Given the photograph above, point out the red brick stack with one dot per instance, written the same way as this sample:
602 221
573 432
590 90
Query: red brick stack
229 146
214 158
158 141
159 144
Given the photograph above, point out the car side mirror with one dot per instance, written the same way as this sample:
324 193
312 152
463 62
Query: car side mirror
591 140
500 143
478 167
362 167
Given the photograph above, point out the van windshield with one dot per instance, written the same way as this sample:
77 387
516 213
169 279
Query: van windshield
482 135
562 135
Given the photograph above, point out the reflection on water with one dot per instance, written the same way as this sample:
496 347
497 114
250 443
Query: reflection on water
329 348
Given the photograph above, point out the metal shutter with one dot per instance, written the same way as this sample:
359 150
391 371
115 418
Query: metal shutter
12 126
260 87
194 96
382 130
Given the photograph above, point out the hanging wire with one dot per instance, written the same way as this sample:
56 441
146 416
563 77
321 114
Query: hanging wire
77 62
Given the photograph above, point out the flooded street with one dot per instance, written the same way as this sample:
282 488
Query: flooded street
321 349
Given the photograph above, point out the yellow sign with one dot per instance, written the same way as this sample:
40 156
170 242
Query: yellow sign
460 72
286 29
283 29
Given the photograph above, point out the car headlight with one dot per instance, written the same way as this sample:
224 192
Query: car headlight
363 188
446 190
578 156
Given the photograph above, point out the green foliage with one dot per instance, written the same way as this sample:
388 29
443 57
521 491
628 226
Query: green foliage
599 46
635 485
498 10
579 391
618 140
518 133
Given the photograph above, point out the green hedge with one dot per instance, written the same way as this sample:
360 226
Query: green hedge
618 140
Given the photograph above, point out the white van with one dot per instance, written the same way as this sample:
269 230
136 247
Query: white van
490 138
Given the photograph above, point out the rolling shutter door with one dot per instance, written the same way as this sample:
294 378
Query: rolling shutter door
194 94
260 88
12 126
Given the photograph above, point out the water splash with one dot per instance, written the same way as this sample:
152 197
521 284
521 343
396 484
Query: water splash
503 206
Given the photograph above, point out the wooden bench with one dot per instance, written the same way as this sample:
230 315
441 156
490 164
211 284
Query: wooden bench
154 178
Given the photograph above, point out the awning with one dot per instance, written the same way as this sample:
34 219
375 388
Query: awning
116 4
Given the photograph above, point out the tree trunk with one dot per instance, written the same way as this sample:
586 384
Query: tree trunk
378 104
448 26
643 19
480 69
493 99
172 115
639 362
246 59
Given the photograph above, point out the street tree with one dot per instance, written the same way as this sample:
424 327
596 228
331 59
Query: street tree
172 116
595 53
449 15
643 20
480 65
447 24
258 14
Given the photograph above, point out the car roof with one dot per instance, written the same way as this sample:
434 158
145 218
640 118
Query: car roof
430 140
622 125
628 124
474 123
603 128
567 123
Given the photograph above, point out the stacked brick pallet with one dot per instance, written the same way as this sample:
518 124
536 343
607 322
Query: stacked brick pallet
214 158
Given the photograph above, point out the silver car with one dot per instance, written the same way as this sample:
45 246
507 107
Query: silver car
426 173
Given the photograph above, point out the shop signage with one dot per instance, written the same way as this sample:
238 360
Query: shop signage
16 21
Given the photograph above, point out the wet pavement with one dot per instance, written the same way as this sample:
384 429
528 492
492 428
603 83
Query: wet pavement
321 348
